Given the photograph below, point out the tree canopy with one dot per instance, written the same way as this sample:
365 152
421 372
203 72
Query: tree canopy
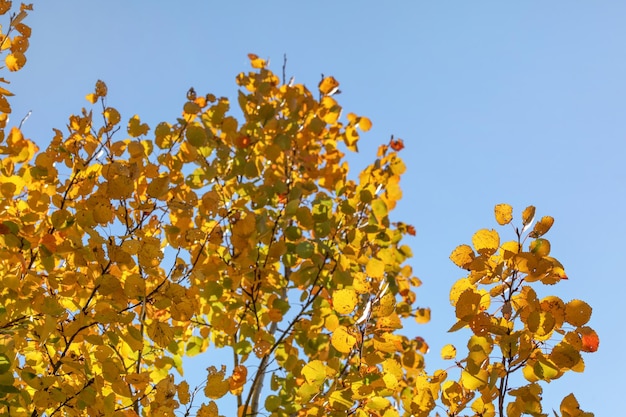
126 247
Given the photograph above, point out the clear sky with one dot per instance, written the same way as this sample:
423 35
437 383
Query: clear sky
497 101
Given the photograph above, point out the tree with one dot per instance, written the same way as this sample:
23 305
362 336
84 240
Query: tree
124 251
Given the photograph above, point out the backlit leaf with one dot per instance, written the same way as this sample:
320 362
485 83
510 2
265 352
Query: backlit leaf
216 386
462 256
15 61
542 226
136 128
448 352
314 372
375 268
328 86
590 339
344 300
486 241
422 315
474 380
343 340
504 214
528 215
577 312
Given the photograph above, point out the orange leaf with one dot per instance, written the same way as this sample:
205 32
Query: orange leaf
590 339
396 144
329 86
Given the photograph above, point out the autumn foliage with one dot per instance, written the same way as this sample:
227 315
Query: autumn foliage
126 247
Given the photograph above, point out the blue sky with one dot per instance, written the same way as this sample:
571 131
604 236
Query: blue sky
516 102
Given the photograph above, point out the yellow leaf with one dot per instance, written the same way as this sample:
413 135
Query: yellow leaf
208 410
365 124
112 115
314 372
135 286
331 322
136 128
161 333
459 288
15 61
468 304
474 380
540 247
328 86
342 340
486 241
386 305
344 300
448 352
577 312
422 315
216 386
158 187
375 268
504 214
570 407
528 215
256 62
462 256
542 226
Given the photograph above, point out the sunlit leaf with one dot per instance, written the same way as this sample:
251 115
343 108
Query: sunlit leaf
344 300
343 340
217 385
486 241
590 339
314 372
15 61
462 256
448 352
328 86
422 315
528 215
504 214
577 312
542 226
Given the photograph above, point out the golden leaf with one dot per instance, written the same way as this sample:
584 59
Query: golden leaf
161 333
528 215
468 304
364 124
422 315
256 62
375 268
329 86
577 312
208 410
216 386
183 392
344 300
342 340
15 61
314 372
136 128
542 226
448 352
474 380
504 214
462 256
486 241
